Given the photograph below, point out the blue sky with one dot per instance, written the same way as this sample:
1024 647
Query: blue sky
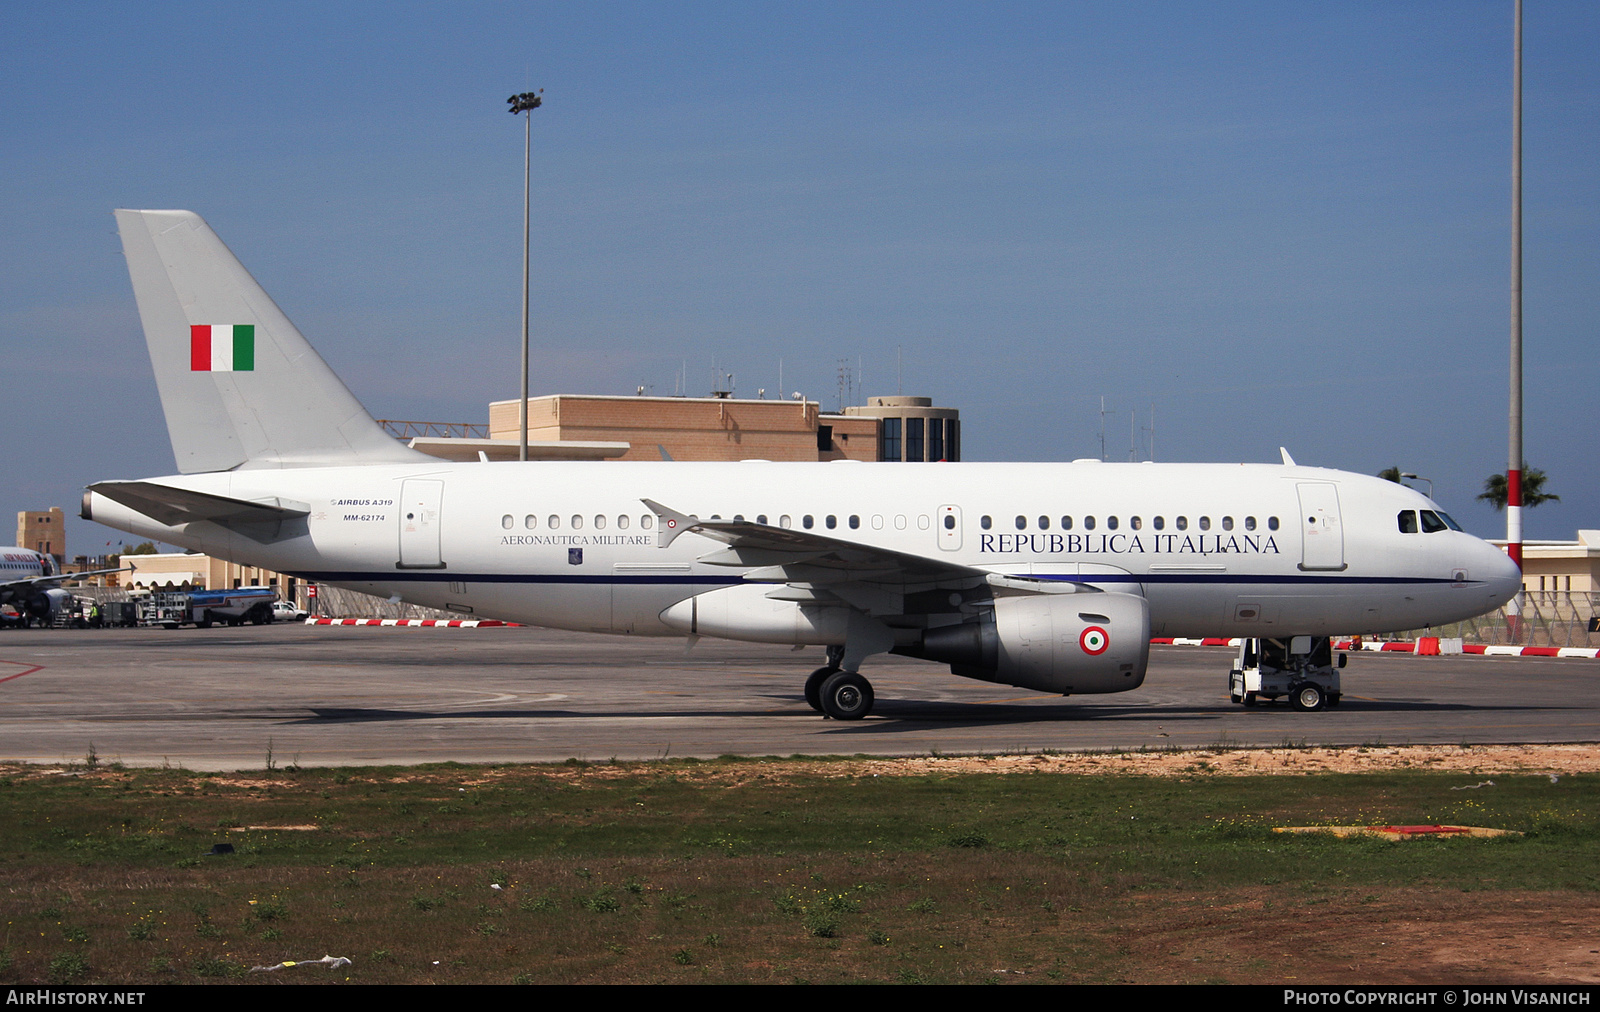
1271 224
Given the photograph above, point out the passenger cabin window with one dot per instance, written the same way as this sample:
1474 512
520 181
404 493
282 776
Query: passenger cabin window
1408 521
599 521
1111 523
1227 523
922 521
1066 523
622 521
949 522
855 521
807 522
1183 523
1088 523
985 522
1272 523
1159 523
761 518
785 521
1249 523
1135 523
530 521
577 522
1205 523
507 522
900 522
1044 523
647 521
1022 523
554 523
832 521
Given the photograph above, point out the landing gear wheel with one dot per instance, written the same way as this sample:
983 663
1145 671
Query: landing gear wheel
846 696
1308 696
814 687
1249 699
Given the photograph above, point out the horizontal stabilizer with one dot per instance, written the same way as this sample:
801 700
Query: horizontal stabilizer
173 506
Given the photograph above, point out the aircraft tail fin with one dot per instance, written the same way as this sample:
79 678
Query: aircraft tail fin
240 386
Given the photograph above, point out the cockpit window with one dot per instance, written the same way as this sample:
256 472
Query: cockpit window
1449 521
1431 524
1408 521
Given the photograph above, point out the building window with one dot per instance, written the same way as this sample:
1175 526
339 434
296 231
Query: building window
890 447
936 439
914 439
952 439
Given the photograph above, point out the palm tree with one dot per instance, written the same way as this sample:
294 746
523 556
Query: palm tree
1495 492
1391 474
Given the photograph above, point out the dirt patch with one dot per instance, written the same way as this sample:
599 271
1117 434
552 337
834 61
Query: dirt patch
1394 936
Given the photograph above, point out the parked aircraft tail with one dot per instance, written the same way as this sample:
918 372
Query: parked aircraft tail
240 386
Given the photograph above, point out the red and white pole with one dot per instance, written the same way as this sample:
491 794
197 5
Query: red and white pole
1514 465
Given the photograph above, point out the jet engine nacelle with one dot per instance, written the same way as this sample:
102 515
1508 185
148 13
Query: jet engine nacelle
46 605
1066 643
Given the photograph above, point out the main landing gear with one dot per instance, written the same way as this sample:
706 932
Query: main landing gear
833 692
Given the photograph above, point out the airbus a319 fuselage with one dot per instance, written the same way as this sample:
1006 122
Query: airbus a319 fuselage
1048 576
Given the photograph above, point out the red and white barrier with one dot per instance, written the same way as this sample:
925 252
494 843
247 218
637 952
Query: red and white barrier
1426 646
451 623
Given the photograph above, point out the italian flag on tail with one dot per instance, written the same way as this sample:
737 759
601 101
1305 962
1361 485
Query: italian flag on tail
222 347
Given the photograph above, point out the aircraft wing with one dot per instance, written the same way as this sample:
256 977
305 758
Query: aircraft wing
173 506
801 558
55 579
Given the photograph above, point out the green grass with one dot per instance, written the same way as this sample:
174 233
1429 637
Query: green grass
731 870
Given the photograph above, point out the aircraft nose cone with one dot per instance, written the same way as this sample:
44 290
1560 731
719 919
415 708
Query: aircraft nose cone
1502 575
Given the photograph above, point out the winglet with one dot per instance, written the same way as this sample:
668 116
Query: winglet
669 523
1288 461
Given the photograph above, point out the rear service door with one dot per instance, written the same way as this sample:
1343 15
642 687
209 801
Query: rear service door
420 517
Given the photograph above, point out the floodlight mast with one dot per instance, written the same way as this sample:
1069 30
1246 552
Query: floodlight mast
525 103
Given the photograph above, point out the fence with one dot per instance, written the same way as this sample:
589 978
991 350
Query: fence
1538 618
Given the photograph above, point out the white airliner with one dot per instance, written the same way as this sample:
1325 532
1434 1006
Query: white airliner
1047 576
30 583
